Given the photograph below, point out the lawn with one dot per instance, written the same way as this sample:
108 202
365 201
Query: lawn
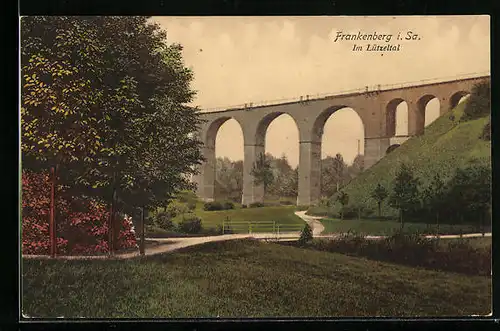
387 227
261 218
246 279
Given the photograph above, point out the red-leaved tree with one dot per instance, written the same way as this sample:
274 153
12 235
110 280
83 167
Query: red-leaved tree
82 225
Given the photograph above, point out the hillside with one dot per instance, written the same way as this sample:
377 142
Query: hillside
246 279
445 145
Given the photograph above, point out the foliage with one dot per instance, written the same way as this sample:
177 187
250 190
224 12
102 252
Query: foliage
262 171
87 103
227 205
469 192
256 204
306 234
190 224
163 220
343 199
405 195
479 102
415 250
216 205
82 223
486 134
379 194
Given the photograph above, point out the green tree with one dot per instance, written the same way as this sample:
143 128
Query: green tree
433 197
379 194
479 102
306 234
343 199
115 115
262 171
405 195
469 193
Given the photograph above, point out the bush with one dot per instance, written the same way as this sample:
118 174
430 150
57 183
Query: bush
414 250
163 220
191 224
228 205
212 206
478 104
191 205
256 205
302 207
286 202
176 208
82 223
486 134
306 234
349 212
243 206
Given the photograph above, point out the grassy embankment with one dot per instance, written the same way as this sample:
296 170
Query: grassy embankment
385 228
446 145
247 279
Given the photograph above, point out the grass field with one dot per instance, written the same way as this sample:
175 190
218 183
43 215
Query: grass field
261 218
246 279
386 227
445 145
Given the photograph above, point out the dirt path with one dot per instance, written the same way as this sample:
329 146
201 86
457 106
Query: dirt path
313 222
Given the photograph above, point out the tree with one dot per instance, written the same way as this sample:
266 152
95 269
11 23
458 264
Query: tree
469 192
262 171
405 195
479 102
306 234
114 115
343 198
433 197
339 169
379 194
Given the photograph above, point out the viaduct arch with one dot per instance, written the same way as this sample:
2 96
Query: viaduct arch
375 108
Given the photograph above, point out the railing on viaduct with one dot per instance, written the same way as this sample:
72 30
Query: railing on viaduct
365 89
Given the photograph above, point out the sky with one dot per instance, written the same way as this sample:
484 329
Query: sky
238 60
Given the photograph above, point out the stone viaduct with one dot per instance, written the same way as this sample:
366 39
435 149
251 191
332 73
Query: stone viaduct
376 107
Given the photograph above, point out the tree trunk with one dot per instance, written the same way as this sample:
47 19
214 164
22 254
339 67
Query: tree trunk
437 224
52 221
401 218
111 225
143 239
379 212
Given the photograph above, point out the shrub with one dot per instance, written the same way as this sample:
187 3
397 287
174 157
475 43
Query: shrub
191 224
243 206
163 220
302 207
228 205
82 223
286 202
176 208
486 134
256 205
212 206
349 212
186 197
306 234
478 104
191 205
